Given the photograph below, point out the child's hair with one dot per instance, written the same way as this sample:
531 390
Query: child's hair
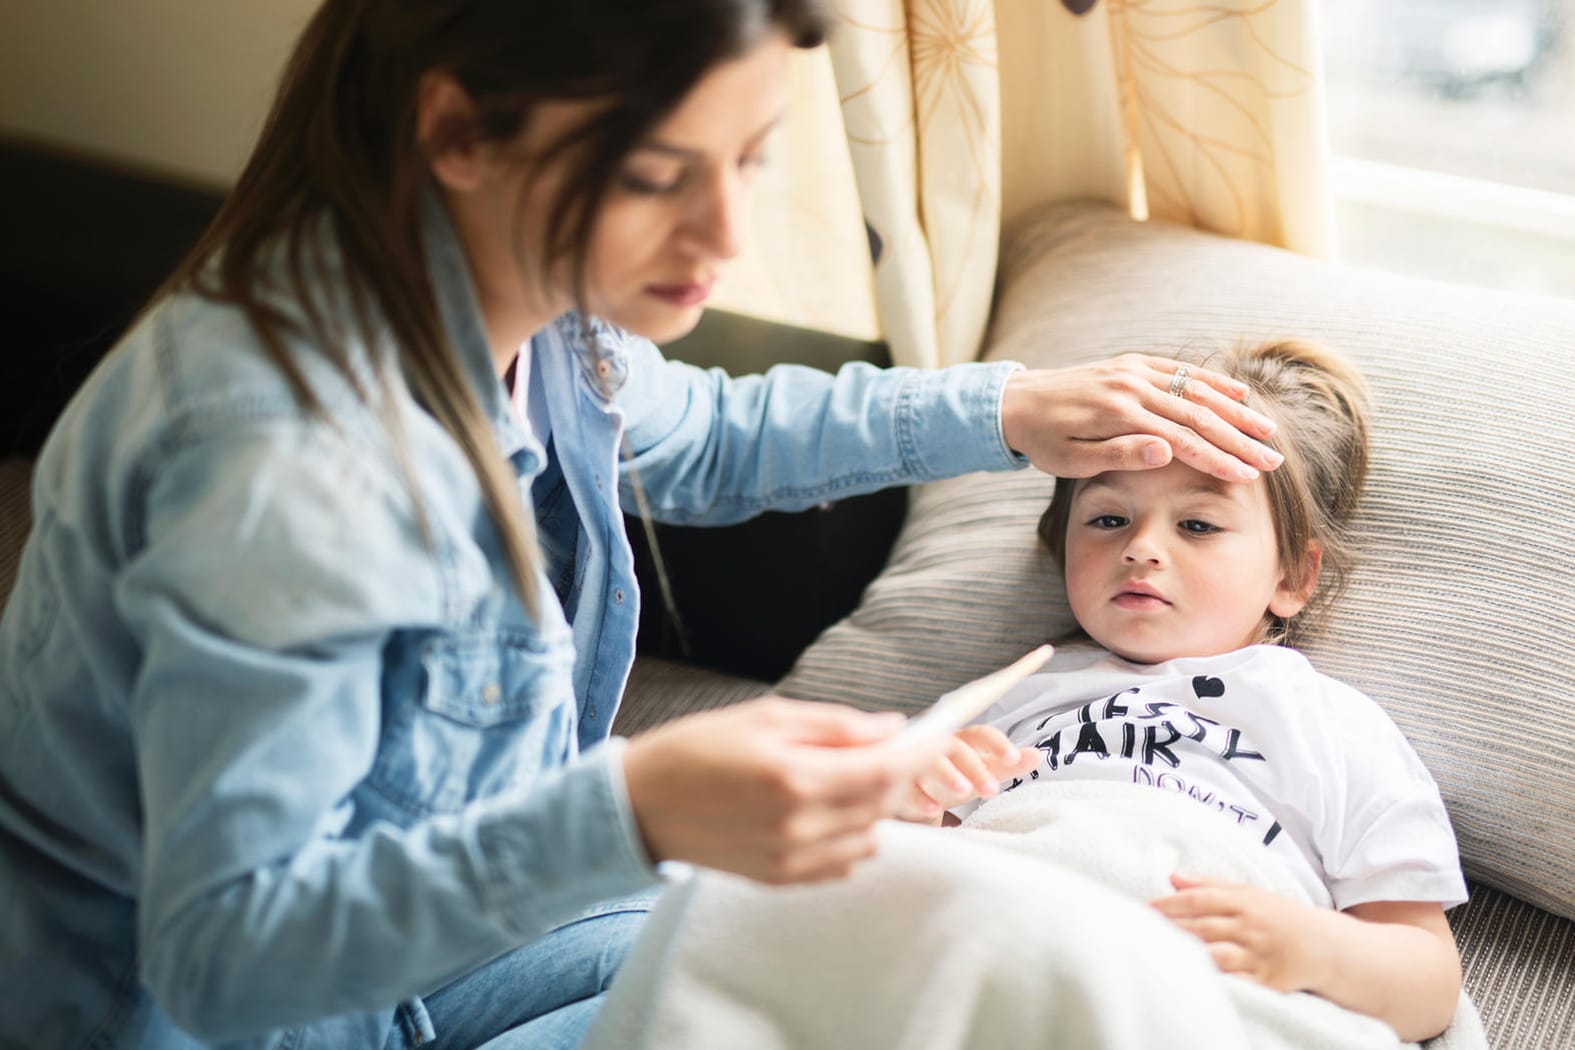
1320 403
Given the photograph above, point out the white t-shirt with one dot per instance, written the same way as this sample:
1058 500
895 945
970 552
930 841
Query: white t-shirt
1316 770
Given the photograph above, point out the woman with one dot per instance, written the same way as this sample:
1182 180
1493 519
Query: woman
304 713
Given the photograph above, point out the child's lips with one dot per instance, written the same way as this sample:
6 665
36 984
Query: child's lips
1140 597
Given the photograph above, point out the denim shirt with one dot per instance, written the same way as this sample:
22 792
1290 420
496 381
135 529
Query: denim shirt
270 751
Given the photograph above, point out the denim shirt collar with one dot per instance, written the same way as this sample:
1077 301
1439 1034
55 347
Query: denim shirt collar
600 350
460 311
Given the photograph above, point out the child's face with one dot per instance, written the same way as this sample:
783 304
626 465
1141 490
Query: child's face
1168 563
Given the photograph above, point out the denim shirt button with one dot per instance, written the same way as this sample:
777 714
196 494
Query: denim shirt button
618 595
492 693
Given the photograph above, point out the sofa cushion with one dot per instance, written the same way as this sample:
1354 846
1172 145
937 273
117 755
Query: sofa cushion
660 690
1459 618
15 519
1519 965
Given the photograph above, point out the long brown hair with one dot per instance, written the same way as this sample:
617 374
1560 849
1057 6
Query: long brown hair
339 152
1321 405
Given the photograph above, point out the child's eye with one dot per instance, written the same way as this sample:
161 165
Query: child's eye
1198 528
1108 521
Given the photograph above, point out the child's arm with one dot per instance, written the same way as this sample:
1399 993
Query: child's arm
1393 960
973 766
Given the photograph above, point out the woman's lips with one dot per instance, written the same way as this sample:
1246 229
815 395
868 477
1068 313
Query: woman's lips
692 293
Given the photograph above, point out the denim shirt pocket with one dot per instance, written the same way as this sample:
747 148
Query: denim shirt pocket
491 709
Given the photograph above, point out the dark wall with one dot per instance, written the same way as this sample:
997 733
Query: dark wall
750 597
83 246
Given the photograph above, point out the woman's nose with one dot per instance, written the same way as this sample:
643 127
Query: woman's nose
716 228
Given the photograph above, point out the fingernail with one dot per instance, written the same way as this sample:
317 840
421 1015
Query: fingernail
1274 457
1246 473
1155 455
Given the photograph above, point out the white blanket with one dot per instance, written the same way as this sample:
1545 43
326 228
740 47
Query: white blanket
1028 926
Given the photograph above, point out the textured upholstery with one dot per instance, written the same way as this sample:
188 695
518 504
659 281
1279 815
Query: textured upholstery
1459 617
661 689
15 518
1519 963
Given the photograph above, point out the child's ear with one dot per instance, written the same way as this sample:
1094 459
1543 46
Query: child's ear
446 127
1298 584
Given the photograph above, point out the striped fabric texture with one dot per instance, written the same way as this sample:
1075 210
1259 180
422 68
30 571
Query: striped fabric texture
1519 964
15 519
1460 616
660 690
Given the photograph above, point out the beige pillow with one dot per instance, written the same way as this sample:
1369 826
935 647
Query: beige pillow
1461 617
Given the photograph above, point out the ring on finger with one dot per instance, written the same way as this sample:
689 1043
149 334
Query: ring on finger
1179 381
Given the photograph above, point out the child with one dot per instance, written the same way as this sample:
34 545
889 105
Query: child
1189 593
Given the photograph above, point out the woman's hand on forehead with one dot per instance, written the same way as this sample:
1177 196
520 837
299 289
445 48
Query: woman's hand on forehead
1135 412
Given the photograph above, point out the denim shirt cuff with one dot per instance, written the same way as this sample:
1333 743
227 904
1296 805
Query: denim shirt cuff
619 785
557 848
950 420
1017 458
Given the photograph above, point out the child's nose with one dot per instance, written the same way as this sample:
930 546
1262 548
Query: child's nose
1143 547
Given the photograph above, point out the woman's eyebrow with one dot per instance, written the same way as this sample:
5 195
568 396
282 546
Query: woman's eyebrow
653 146
674 149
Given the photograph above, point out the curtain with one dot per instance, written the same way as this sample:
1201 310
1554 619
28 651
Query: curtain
913 174
807 261
1205 114
920 94
927 124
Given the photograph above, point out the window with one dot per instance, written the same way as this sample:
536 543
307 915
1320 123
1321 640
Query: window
1452 124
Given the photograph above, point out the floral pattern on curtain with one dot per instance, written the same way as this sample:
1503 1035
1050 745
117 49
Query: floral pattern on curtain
919 85
928 124
1217 110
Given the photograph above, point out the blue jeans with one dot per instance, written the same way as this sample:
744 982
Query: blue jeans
539 997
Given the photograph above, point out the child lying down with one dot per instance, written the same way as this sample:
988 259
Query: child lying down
1180 752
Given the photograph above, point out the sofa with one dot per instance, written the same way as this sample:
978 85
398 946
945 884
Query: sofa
1457 620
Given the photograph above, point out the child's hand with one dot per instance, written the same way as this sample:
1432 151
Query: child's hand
975 762
1260 935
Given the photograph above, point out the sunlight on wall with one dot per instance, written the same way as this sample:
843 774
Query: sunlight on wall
175 87
807 262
